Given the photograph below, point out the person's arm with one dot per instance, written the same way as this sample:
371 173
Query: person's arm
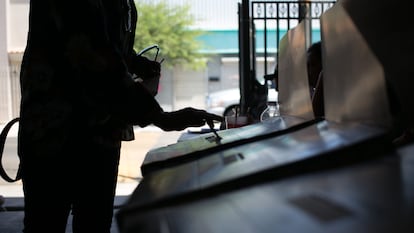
91 46
183 118
145 70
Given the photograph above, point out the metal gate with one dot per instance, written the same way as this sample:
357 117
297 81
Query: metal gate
261 26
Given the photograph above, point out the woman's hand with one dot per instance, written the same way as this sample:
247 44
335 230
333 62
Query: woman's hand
184 118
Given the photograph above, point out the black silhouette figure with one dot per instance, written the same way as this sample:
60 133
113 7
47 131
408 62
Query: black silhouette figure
79 101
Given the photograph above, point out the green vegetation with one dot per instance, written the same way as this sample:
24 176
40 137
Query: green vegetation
169 27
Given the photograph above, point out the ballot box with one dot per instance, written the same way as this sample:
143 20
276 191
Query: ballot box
372 196
319 146
207 143
338 174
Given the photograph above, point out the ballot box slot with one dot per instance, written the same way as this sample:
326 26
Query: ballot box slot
321 208
232 158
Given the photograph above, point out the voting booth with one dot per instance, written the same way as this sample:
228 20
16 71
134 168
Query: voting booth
337 174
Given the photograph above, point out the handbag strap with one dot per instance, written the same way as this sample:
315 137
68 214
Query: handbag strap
3 137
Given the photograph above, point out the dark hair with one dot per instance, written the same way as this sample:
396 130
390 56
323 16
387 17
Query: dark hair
316 50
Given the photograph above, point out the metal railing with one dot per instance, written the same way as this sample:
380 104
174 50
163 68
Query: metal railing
262 24
280 16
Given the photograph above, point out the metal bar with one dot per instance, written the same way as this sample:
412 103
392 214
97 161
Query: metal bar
245 54
265 39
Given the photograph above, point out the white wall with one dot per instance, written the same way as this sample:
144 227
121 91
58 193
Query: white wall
5 99
17 25
13 34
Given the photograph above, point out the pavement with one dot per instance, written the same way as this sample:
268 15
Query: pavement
132 156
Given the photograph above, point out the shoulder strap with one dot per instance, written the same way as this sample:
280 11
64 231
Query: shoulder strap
3 137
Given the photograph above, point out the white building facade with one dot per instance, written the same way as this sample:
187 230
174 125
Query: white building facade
13 35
